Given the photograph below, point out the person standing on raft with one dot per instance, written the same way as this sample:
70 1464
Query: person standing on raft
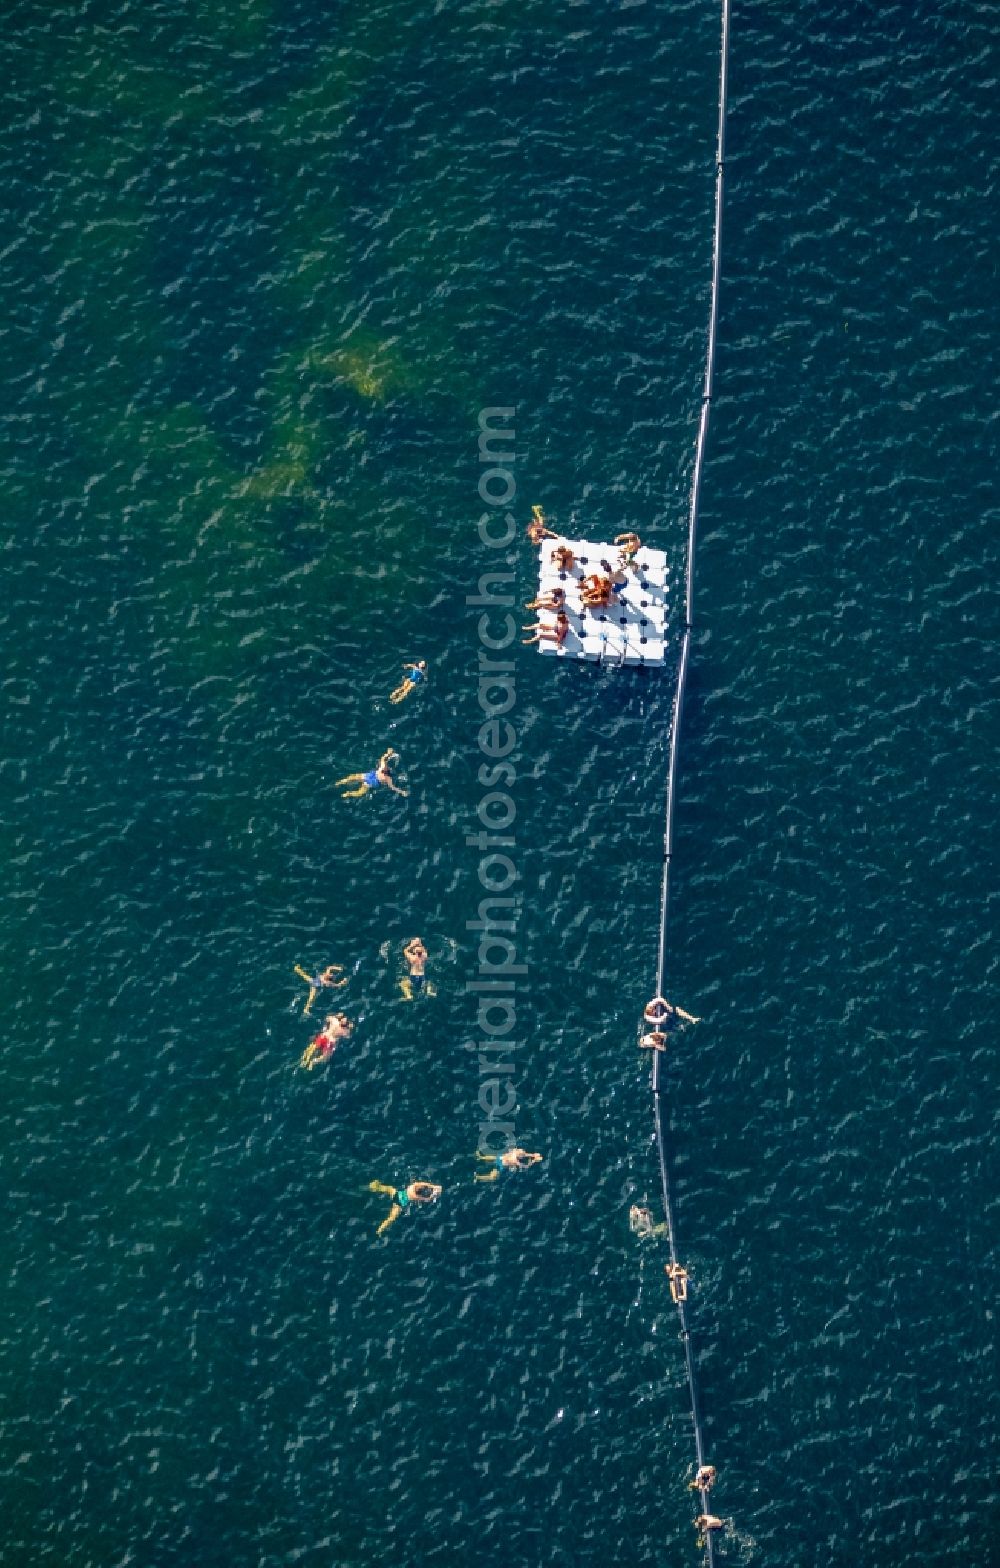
375 778
402 1197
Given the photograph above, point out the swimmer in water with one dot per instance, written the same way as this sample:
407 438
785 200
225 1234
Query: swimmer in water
552 599
655 1041
322 1046
660 1012
708 1522
317 983
541 633
678 1278
642 1224
511 1160
704 1479
368 782
402 1197
537 529
416 981
414 674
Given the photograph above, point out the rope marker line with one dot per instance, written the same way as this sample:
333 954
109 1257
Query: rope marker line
676 1274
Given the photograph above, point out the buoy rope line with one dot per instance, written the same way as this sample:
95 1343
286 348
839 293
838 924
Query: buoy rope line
676 1274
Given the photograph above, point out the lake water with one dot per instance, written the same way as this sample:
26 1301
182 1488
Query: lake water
262 267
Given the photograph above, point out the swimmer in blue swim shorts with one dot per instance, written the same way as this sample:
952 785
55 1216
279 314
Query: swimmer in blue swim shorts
412 678
375 778
416 981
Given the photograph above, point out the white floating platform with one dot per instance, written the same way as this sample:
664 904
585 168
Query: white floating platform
632 629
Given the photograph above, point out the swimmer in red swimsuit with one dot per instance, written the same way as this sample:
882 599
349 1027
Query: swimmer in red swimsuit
322 1046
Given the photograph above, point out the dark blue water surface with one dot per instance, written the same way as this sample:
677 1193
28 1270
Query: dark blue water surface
261 268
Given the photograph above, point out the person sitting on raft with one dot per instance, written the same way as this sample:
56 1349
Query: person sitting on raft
642 1224
537 529
402 1197
541 633
553 599
704 1479
661 1012
322 1046
563 558
630 544
367 782
510 1160
416 981
595 591
656 1040
414 674
317 983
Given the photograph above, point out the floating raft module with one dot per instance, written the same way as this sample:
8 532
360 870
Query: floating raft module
631 629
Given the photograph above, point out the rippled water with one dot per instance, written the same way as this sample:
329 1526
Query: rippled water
262 266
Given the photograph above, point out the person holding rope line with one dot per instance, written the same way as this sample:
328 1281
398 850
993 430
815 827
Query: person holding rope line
678 1278
655 1041
660 1012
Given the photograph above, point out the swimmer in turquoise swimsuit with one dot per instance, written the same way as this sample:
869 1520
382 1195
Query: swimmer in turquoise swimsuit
415 673
512 1160
402 1197
372 780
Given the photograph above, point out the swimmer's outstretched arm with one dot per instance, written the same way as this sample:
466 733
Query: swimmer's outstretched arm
395 787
